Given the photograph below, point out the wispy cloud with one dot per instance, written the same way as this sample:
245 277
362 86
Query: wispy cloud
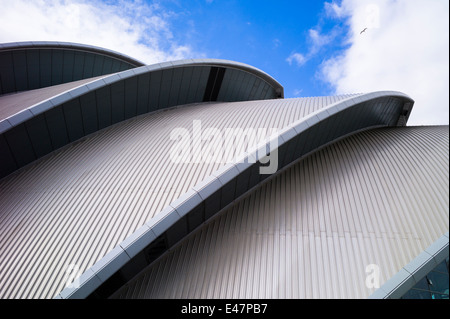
319 40
276 43
297 58
334 10
405 48
316 41
134 28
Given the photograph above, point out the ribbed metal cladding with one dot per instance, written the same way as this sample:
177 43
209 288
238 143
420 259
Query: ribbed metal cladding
31 133
377 197
33 65
13 103
75 205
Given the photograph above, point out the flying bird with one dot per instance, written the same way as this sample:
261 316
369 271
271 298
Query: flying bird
363 31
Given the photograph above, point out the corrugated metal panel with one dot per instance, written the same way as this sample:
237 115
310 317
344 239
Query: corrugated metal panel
75 113
33 65
13 103
378 197
78 203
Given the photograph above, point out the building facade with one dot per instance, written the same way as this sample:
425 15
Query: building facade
198 179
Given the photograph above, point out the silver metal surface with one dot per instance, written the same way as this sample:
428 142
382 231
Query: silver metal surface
323 126
51 123
13 103
33 65
87 185
413 272
378 197
77 204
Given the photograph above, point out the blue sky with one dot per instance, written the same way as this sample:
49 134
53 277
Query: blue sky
261 33
312 47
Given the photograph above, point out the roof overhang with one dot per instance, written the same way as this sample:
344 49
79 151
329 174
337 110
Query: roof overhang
72 114
32 65
232 181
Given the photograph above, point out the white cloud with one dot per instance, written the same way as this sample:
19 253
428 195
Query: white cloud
405 48
133 28
298 58
319 40
316 40
334 10
276 43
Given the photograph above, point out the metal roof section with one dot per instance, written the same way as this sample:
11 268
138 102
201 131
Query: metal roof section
85 179
311 230
32 65
108 185
112 183
80 111
417 269
233 180
14 103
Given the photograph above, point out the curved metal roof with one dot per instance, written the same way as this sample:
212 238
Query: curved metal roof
87 179
32 65
12 104
96 192
189 210
69 115
379 197
412 273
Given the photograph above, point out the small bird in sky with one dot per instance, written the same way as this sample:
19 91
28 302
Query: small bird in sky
363 31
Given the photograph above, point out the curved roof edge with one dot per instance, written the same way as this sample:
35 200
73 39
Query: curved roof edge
10 46
413 272
73 93
235 65
222 188
26 66
172 88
